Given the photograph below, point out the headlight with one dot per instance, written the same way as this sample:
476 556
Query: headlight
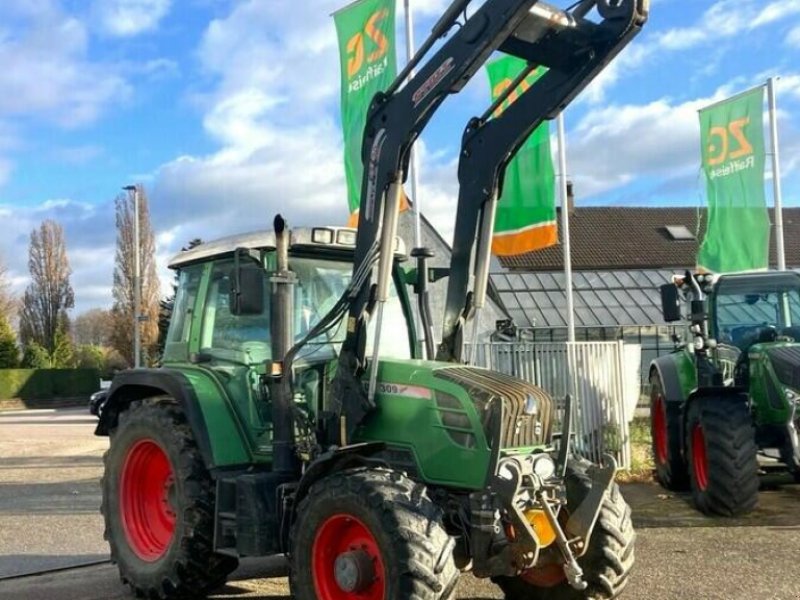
544 466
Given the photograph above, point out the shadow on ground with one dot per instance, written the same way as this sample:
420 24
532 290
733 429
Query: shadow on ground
653 506
56 498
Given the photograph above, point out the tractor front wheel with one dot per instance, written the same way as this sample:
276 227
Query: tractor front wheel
158 505
607 562
370 534
665 429
723 457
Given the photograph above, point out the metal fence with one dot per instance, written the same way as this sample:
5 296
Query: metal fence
601 377
654 340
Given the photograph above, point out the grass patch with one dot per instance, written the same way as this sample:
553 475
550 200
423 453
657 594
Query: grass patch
642 464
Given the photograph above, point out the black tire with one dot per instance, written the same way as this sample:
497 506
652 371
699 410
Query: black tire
184 565
723 456
672 471
607 562
408 541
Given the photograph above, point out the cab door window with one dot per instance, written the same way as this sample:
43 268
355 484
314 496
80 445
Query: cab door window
236 348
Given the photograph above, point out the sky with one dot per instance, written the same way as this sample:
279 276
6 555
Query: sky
227 111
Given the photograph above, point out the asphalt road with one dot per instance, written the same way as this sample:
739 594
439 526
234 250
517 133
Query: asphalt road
49 495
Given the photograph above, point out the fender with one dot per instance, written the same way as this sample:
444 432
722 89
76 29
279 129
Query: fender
674 394
667 368
225 449
339 459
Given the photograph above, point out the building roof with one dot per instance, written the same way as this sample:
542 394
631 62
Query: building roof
614 237
601 298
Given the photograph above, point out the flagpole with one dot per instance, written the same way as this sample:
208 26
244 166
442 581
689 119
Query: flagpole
414 168
562 184
776 174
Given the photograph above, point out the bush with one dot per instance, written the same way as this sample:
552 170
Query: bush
90 357
63 356
35 357
47 384
9 353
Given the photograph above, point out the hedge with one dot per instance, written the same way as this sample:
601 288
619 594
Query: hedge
46 384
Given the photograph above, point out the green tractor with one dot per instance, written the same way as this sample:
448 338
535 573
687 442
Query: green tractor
296 413
731 395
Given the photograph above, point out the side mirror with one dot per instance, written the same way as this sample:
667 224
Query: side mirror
247 294
670 303
247 286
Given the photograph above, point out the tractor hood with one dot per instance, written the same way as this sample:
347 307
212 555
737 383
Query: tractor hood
785 360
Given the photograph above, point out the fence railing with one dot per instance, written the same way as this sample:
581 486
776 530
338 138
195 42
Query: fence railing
601 377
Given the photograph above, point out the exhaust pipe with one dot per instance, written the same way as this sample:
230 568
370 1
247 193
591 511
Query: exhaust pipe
282 282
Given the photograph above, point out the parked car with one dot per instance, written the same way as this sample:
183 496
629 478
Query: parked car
98 399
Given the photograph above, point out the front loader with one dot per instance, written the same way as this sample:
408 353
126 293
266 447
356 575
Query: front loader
725 405
294 413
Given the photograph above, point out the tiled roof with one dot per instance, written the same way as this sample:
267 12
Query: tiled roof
612 237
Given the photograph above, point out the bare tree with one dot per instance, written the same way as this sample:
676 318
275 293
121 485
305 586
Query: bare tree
93 328
49 294
122 335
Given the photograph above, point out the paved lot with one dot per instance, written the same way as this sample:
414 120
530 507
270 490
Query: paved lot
50 464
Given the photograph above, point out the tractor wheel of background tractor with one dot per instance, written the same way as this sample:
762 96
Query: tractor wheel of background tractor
607 562
723 457
158 505
370 534
665 430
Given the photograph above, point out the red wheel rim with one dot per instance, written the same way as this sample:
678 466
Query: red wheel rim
699 460
146 486
660 429
341 536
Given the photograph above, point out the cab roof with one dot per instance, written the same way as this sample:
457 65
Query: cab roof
324 238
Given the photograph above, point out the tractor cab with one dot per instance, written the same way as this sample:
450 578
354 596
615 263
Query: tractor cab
755 308
222 316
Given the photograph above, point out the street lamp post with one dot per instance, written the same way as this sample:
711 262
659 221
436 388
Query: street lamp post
137 280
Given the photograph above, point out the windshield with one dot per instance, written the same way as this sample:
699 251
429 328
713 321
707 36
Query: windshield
744 318
320 283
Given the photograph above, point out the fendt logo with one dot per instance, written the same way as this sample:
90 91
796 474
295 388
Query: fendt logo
728 150
357 57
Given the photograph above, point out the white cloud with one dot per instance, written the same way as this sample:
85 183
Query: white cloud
47 72
126 18
793 37
723 20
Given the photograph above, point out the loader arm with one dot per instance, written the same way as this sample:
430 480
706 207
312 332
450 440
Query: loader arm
396 118
574 51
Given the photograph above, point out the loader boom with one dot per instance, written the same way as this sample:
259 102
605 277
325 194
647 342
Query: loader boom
574 51
396 118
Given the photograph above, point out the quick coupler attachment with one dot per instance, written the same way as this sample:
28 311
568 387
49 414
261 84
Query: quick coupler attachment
529 491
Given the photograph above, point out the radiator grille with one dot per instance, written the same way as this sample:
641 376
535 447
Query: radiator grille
521 426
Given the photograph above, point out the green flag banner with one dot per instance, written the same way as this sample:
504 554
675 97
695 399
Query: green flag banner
526 213
732 143
366 31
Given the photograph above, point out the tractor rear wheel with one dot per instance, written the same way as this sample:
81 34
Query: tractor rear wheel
158 505
723 457
607 562
665 430
370 534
